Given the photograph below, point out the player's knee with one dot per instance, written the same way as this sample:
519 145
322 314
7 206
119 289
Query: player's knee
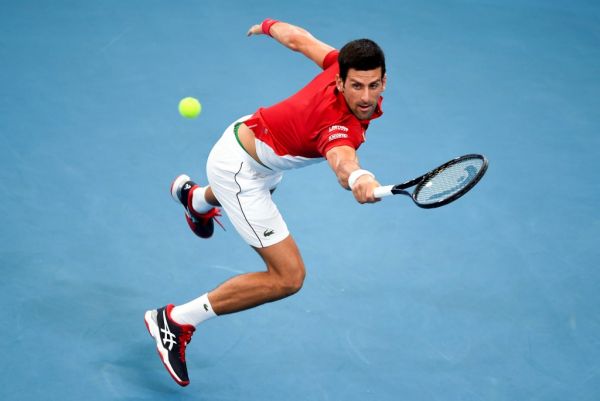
295 282
291 282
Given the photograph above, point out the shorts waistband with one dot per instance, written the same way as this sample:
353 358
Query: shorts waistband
256 166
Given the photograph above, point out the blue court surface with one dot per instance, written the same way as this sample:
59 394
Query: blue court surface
494 297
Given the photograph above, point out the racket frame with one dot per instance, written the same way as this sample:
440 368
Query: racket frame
400 189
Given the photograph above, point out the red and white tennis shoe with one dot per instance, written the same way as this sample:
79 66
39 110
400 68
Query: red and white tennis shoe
171 341
201 224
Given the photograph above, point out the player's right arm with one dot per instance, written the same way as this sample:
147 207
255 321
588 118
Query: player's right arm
343 161
296 39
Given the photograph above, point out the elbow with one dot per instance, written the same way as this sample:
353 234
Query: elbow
293 39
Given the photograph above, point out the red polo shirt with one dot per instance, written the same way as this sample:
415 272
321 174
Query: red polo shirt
301 129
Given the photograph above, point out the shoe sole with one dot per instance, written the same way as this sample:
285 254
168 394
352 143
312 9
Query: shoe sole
178 182
152 327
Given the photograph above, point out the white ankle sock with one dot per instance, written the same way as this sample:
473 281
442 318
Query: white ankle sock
199 203
193 312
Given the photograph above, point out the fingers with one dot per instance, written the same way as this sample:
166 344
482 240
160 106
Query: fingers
255 30
364 188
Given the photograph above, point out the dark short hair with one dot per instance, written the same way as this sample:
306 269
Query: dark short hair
362 55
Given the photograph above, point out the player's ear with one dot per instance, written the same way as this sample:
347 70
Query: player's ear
384 81
339 83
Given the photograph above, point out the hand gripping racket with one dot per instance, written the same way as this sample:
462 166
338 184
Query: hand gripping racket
442 185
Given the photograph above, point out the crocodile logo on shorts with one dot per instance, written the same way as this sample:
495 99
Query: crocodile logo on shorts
268 232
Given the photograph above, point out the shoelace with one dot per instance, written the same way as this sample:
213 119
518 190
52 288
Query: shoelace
212 214
184 339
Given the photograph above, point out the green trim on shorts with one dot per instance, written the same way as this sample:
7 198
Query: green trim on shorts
235 132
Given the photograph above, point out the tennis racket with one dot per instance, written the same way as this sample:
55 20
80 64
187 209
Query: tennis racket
442 185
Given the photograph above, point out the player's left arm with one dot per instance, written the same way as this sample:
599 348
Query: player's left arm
344 163
295 38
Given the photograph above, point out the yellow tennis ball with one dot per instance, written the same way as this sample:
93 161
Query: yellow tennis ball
189 107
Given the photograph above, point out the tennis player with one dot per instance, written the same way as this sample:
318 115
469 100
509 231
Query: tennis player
327 119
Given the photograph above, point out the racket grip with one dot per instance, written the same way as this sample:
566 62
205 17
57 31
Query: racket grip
384 191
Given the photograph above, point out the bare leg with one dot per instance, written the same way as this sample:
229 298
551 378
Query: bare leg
210 197
284 277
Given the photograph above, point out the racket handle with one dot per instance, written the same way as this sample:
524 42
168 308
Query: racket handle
384 191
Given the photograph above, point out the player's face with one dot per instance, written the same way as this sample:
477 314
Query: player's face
362 90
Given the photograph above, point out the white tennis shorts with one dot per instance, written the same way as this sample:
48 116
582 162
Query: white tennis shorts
243 187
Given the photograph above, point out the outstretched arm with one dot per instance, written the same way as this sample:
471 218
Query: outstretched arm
294 38
344 163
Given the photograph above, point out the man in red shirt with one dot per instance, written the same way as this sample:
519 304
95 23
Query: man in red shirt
325 120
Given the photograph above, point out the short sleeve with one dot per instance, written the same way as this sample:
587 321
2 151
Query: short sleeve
330 59
340 135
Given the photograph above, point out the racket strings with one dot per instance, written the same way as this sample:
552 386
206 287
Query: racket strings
448 181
